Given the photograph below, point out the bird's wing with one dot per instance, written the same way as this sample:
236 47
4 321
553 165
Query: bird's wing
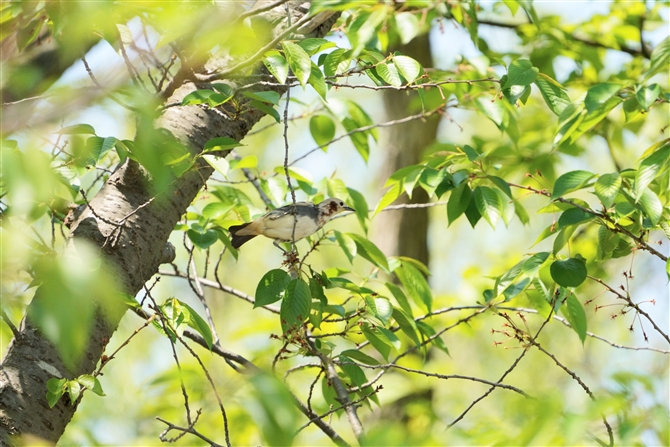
288 209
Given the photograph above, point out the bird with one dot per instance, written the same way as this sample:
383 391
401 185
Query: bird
290 222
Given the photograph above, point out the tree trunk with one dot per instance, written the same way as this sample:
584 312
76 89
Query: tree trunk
141 247
405 231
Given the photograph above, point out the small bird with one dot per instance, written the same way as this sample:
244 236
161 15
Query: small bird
290 222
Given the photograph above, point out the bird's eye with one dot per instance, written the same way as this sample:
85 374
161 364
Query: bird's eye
341 203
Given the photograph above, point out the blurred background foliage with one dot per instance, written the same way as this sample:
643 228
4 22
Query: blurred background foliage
66 125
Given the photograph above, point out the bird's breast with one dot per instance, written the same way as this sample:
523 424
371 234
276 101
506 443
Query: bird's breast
282 228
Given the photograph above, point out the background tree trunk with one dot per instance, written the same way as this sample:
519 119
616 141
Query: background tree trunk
405 231
31 360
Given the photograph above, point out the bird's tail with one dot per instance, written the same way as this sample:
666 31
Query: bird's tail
238 240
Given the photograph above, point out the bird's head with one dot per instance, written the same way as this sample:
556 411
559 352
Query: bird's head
333 206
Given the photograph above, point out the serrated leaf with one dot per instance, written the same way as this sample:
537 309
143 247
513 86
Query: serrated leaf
268 97
295 305
407 325
568 273
314 45
573 216
347 244
197 323
276 65
353 371
389 73
607 187
598 96
318 82
520 72
660 58
336 62
359 139
553 93
458 202
416 286
409 68
571 181
369 251
360 356
568 121
647 95
380 308
378 343
650 167
489 204
209 97
298 60
400 297
359 203
271 287
98 147
651 205
574 312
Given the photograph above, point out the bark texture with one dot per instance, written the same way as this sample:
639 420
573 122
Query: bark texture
405 232
135 249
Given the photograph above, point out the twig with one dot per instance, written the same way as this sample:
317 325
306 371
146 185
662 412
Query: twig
188 429
9 323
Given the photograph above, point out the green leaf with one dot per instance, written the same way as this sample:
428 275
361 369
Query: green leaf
248 162
379 308
416 285
266 109
599 95
650 167
295 305
220 144
520 72
347 245
98 147
389 73
197 323
607 187
380 344
202 238
336 62
322 129
458 202
646 95
407 324
77 129
568 121
607 243
370 251
361 357
427 331
389 197
359 203
431 178
92 383
531 266
553 93
55 390
568 273
409 68
276 65
273 410
359 139
408 26
489 204
271 287
353 371
400 297
573 216
571 181
651 205
314 45
660 58
73 390
209 97
268 97
318 82
298 60
574 312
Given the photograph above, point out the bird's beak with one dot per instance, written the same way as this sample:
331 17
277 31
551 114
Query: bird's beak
348 208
